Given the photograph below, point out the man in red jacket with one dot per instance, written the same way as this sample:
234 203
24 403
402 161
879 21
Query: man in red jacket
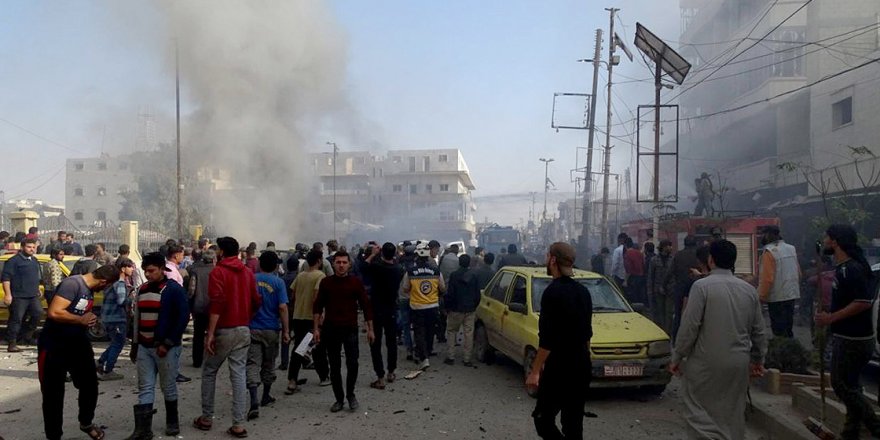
234 300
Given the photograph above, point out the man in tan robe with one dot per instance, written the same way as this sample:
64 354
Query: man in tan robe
720 343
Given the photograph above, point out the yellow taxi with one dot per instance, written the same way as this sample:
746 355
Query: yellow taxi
627 349
96 333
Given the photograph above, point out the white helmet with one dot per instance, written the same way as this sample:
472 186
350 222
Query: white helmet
422 250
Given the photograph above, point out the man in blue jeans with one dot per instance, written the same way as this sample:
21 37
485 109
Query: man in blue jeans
114 316
160 317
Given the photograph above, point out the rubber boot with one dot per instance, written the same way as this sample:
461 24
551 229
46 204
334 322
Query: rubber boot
172 419
143 422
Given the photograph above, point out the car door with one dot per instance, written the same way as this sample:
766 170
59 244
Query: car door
515 319
494 306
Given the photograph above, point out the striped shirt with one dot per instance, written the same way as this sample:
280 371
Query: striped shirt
148 305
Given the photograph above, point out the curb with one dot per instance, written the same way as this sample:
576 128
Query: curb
774 417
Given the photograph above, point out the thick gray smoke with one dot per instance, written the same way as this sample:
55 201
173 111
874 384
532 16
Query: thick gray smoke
265 78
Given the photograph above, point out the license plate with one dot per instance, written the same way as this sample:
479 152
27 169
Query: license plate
624 370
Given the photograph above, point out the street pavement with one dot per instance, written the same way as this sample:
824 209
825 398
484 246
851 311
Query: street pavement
446 402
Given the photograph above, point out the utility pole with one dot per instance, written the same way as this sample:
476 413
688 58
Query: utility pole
531 211
586 218
546 186
606 169
177 99
335 151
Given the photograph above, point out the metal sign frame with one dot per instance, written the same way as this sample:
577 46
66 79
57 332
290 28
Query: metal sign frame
655 155
586 126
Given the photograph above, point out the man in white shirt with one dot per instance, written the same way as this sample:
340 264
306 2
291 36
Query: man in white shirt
618 272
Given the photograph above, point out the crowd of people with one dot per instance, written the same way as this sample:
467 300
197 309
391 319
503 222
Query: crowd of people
250 308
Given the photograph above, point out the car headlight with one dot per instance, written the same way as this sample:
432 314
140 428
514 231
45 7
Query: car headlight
659 348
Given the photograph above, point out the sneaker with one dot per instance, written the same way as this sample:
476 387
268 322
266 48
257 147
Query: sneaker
325 383
110 376
269 400
449 361
253 413
468 364
353 403
181 378
424 365
337 407
13 348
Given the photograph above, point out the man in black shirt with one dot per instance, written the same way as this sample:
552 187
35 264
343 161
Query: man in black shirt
21 283
64 347
561 370
385 275
852 331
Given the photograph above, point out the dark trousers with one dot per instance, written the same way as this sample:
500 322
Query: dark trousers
423 321
337 339
681 293
384 326
562 392
848 359
59 355
440 324
200 327
782 317
319 353
635 289
20 308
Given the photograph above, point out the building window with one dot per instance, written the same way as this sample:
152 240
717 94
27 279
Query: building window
78 166
444 158
429 188
427 162
101 216
396 159
397 188
102 166
102 191
330 161
78 215
78 192
412 164
412 189
444 187
360 160
841 113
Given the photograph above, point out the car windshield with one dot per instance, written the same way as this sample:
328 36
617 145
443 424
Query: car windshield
605 299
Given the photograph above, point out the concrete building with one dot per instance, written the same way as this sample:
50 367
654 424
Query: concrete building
412 193
94 188
807 92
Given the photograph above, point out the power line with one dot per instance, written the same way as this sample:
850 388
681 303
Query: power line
800 8
39 136
38 186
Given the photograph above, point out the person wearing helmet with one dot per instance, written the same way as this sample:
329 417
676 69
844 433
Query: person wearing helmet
424 284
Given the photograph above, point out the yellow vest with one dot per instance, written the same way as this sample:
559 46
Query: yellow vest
424 288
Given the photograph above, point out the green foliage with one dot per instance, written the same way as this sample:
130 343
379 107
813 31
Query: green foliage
787 355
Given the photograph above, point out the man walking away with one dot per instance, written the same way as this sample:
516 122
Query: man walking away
86 264
271 318
386 275
682 263
634 264
618 271
233 302
660 286
53 274
64 348
303 292
849 321
161 314
338 299
512 258
199 275
462 298
21 285
597 263
720 344
114 316
484 273
292 265
779 281
561 369
424 284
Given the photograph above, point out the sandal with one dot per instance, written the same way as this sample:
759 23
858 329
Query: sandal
203 424
377 384
391 377
93 431
238 434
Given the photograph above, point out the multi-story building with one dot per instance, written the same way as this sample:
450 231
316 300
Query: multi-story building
412 193
94 188
801 96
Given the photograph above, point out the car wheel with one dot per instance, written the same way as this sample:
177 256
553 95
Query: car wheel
97 332
483 352
527 369
654 389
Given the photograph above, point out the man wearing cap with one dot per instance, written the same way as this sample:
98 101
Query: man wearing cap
779 281
561 369
161 314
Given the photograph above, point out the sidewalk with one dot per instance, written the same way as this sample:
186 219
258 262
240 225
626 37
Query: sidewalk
775 417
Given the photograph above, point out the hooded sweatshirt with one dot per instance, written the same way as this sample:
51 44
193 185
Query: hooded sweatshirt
232 288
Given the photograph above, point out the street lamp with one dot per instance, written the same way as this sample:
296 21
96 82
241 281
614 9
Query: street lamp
335 151
546 186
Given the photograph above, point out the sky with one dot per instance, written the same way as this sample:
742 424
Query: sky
478 76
